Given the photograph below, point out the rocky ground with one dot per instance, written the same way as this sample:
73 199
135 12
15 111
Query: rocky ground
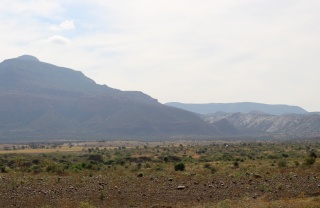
146 191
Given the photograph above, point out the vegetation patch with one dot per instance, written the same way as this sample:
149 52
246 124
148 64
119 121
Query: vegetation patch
166 174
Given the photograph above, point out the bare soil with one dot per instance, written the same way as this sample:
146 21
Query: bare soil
150 191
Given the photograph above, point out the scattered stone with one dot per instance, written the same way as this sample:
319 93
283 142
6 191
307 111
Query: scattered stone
181 187
257 175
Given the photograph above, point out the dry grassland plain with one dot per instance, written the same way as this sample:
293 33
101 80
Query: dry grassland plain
161 174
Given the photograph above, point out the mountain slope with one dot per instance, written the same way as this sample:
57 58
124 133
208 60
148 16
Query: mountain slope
40 100
244 107
289 125
26 74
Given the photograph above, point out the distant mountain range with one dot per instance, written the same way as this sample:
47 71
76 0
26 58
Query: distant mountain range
257 120
241 107
41 101
269 126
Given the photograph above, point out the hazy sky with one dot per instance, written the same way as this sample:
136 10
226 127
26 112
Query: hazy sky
193 51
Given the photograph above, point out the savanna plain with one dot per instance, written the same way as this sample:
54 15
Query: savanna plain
160 174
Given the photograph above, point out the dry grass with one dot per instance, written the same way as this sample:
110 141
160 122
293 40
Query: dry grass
42 150
256 182
312 202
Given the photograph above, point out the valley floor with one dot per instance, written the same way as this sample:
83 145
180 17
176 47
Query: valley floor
214 175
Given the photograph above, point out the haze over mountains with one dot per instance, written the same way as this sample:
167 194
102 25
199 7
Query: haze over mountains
242 107
256 119
269 126
41 101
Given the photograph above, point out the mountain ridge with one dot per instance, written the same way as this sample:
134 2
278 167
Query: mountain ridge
243 107
41 100
280 126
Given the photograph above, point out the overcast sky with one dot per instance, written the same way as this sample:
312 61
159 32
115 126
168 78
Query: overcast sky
192 51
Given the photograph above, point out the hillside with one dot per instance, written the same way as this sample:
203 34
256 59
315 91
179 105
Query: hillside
260 124
242 107
41 101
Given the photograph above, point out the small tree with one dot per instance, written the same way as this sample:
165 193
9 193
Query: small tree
179 167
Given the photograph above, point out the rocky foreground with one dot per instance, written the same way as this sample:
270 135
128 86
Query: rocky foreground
181 190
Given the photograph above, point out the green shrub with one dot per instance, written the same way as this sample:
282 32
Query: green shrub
313 155
4 169
179 167
282 164
207 165
213 170
53 167
309 161
36 168
97 158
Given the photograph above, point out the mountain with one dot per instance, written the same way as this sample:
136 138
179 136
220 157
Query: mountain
27 75
260 124
41 101
242 107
